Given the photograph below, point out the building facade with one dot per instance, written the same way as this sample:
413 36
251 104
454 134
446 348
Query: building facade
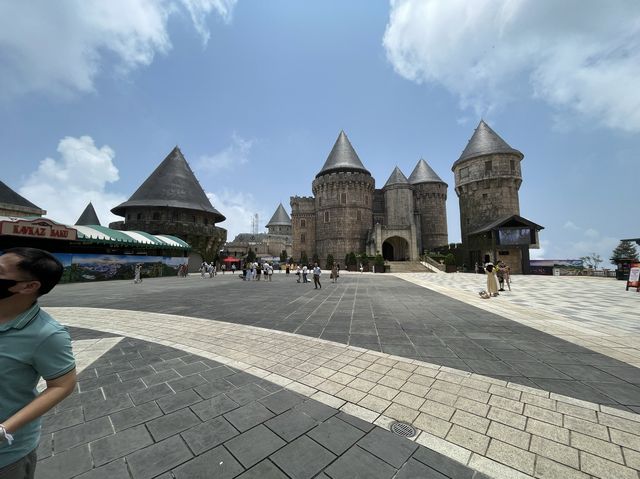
348 214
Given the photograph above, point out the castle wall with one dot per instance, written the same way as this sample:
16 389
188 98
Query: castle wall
343 213
484 194
303 226
431 206
398 205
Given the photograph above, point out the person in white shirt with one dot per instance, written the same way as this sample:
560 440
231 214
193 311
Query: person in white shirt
305 270
316 276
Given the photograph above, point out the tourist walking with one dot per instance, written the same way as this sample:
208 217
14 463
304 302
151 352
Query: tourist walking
298 273
270 272
33 346
500 273
492 283
316 276
305 270
233 269
334 273
137 273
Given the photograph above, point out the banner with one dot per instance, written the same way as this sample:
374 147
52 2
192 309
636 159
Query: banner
634 277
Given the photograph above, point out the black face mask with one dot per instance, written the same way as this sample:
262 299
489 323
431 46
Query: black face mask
5 284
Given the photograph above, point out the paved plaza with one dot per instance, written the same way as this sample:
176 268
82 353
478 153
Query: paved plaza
223 378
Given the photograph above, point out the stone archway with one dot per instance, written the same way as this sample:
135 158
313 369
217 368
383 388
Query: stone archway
395 248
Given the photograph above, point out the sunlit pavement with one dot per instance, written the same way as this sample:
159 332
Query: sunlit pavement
541 381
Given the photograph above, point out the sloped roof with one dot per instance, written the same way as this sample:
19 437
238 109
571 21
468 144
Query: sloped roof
423 173
506 221
397 178
280 217
10 197
342 158
172 184
88 216
485 141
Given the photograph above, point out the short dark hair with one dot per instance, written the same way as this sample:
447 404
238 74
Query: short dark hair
41 265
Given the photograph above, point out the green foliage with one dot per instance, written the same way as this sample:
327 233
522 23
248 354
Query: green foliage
592 261
363 259
379 261
350 259
283 256
450 259
625 250
315 259
303 258
330 261
251 256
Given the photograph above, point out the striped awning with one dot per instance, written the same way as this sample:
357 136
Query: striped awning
102 233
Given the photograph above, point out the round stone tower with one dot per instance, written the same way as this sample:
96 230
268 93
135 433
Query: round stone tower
488 178
343 191
280 223
398 199
430 195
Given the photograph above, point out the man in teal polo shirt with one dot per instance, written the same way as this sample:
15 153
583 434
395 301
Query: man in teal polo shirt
32 345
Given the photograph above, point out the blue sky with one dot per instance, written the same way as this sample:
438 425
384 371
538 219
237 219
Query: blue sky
93 95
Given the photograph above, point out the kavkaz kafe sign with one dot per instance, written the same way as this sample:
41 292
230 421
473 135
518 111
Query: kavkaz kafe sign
38 228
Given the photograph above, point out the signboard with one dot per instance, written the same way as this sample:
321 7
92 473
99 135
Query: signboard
38 228
514 236
634 277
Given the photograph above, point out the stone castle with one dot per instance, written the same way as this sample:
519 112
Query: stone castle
407 216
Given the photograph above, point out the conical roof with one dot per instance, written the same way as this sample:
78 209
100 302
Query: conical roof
397 178
88 216
10 197
485 141
280 217
423 173
172 184
342 158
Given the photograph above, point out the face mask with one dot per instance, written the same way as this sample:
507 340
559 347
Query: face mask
5 284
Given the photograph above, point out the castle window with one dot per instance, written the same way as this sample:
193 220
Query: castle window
156 216
139 216
488 166
326 216
303 223
193 219
358 215
128 216
464 173
343 198
303 238
513 166
484 196
206 221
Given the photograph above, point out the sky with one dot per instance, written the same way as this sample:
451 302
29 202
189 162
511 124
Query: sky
94 95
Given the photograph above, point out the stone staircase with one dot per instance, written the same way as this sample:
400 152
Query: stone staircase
407 267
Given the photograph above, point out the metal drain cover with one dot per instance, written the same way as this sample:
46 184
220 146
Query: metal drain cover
403 429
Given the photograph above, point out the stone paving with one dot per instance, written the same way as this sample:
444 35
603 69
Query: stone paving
502 425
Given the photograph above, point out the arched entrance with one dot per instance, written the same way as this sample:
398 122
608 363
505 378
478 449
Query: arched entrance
395 249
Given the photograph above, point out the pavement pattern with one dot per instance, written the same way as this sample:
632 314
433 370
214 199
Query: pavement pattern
498 423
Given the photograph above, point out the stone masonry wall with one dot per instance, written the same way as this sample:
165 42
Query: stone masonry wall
431 205
303 226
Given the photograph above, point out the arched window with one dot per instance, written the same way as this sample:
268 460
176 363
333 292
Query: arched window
303 223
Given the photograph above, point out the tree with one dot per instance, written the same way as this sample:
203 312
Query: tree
592 261
303 258
625 250
364 259
350 259
329 261
379 263
283 256
251 255
450 259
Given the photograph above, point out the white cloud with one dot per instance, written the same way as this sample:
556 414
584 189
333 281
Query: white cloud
65 186
237 153
239 209
580 56
570 225
61 47
540 253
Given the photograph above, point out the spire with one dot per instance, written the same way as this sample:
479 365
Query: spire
423 173
88 217
172 184
342 158
396 178
485 141
280 218
11 198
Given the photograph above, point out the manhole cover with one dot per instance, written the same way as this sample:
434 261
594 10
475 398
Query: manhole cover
403 429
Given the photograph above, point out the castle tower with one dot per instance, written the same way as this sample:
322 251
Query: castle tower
488 178
343 191
398 199
280 223
88 216
430 195
171 201
13 204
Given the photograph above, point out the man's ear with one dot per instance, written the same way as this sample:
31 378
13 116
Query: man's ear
30 287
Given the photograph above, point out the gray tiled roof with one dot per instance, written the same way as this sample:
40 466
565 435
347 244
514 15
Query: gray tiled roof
397 178
280 217
88 217
10 197
423 173
509 220
485 141
172 184
342 157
